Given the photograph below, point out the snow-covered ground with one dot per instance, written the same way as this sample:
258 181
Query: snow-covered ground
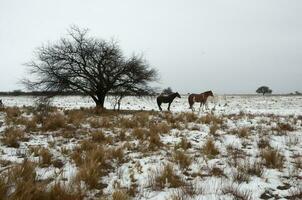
227 104
259 143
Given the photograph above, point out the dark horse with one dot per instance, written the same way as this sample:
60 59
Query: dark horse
166 99
1 103
202 98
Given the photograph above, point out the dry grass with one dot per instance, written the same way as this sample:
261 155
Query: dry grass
20 183
45 157
272 158
140 133
93 162
263 143
13 136
165 178
75 117
98 136
182 159
210 118
160 128
213 129
216 171
128 123
241 175
184 144
209 149
12 114
283 128
154 141
120 195
54 122
89 173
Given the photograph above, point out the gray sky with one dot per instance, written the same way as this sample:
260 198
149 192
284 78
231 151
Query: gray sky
229 46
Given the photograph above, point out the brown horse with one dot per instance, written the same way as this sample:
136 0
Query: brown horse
202 98
166 99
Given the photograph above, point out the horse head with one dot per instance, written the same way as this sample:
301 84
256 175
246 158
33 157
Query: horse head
211 93
177 95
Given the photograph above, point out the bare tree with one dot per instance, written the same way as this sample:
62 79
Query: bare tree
92 66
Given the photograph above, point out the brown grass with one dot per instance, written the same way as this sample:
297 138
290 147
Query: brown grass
12 113
184 144
128 123
20 183
13 136
154 141
209 149
182 159
54 122
160 128
263 143
89 173
210 118
216 171
213 128
98 136
75 117
165 178
45 157
120 195
272 158
283 128
140 133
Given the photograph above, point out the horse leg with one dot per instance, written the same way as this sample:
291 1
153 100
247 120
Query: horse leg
169 106
158 103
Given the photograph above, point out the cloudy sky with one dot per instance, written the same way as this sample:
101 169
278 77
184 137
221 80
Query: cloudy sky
229 46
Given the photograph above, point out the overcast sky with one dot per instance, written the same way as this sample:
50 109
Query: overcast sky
228 46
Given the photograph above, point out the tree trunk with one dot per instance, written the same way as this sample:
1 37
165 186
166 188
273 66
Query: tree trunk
100 100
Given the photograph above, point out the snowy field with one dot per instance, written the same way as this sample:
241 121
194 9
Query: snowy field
242 147
224 104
